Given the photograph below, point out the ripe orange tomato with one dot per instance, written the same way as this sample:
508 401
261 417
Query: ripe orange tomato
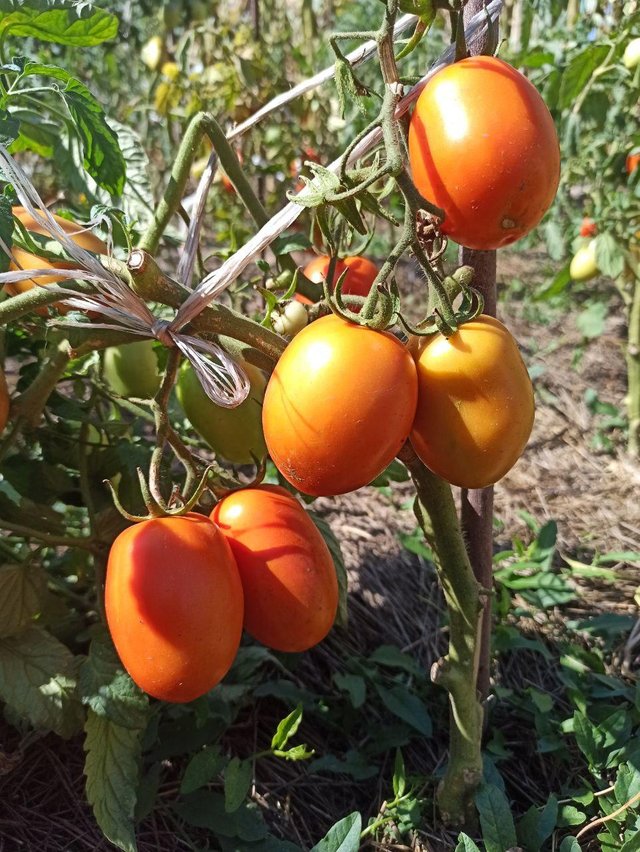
475 403
174 605
588 228
633 161
4 401
288 576
361 273
338 406
483 147
26 260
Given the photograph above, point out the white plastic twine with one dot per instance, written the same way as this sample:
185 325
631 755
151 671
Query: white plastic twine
218 280
222 379
224 382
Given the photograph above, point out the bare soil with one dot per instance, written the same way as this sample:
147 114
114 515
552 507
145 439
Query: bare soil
394 599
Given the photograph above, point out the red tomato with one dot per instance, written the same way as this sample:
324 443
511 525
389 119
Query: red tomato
361 273
633 161
4 401
483 147
174 605
338 406
588 228
288 576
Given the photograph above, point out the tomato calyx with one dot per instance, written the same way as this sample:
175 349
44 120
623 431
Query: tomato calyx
444 319
380 309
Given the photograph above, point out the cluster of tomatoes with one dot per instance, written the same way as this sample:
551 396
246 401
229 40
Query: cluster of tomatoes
179 590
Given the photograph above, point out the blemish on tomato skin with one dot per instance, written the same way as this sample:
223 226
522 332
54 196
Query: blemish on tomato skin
508 223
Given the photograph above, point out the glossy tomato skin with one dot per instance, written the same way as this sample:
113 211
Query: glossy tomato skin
475 403
4 401
233 433
584 264
483 147
361 273
26 260
288 576
338 406
132 369
174 605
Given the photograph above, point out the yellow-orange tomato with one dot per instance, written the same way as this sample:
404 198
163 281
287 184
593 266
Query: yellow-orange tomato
475 403
633 161
338 406
288 576
361 274
174 605
4 401
26 260
483 147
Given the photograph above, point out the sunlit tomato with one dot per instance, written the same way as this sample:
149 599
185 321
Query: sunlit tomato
174 605
4 401
361 273
338 406
631 56
475 403
132 369
588 228
584 264
483 147
287 574
233 433
26 260
633 161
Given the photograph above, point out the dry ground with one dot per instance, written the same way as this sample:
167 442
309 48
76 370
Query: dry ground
594 499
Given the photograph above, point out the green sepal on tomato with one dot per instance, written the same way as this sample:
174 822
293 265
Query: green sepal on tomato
174 605
361 273
131 370
475 403
483 147
287 573
235 434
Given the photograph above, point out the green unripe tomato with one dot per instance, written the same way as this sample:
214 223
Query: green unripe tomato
631 56
232 433
132 369
584 265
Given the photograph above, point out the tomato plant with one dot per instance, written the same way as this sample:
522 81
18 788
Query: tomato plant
588 228
26 260
483 147
4 401
632 162
233 433
132 369
338 406
174 605
583 264
475 403
361 273
287 573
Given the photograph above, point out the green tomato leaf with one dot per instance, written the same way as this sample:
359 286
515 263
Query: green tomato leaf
591 320
399 775
9 128
609 255
344 836
237 781
103 158
287 728
466 844
579 72
58 21
37 681
23 590
202 768
354 685
406 706
498 830
205 809
570 844
111 767
537 825
108 690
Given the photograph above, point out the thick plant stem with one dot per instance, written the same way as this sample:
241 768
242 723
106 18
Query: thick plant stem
477 504
633 372
458 671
